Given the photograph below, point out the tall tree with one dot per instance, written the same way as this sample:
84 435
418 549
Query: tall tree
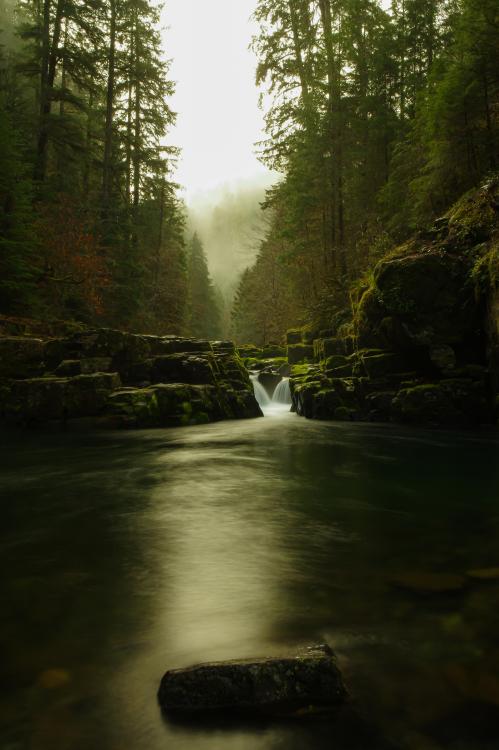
203 317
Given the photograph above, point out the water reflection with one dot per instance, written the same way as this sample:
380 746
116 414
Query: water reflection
130 553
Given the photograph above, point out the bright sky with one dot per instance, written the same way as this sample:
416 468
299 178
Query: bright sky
216 98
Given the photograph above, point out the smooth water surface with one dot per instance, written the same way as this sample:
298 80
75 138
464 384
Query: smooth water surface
124 554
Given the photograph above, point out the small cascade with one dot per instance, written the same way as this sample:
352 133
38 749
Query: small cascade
261 394
282 394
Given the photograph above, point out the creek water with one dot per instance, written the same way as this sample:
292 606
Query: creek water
124 554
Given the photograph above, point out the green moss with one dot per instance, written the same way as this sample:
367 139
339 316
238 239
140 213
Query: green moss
485 272
201 417
474 212
344 414
300 353
294 336
336 360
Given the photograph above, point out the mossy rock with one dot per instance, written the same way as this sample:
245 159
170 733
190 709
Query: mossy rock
303 398
300 353
345 414
40 400
325 404
324 348
346 371
68 368
378 406
473 219
426 404
302 370
166 405
183 368
246 351
309 335
274 363
223 347
430 583
272 351
21 357
380 365
336 360
419 300
294 336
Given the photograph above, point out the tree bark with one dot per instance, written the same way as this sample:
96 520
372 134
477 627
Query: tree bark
50 56
108 135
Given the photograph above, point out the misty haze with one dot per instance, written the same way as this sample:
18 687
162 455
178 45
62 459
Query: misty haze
249 375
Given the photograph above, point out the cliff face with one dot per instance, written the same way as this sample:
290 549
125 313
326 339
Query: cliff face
423 345
115 379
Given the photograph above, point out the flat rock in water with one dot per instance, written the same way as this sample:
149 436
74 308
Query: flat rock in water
430 583
311 680
484 574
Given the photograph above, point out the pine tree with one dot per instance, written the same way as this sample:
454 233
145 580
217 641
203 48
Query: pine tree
203 317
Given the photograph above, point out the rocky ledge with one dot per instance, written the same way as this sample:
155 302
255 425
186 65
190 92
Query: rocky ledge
116 379
308 682
422 346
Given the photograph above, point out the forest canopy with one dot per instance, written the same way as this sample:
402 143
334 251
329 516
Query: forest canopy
377 119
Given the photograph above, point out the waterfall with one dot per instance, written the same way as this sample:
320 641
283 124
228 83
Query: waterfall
282 394
261 394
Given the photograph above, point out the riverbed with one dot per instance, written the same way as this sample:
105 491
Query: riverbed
124 554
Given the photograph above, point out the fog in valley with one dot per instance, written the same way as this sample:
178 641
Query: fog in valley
230 224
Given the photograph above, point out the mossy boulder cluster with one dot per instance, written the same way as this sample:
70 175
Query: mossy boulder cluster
423 344
116 379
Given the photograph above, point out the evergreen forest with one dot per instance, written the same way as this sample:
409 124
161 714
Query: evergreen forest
377 119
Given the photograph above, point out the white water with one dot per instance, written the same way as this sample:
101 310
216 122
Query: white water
282 393
261 394
280 401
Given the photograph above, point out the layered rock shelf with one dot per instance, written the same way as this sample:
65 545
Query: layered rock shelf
115 379
423 344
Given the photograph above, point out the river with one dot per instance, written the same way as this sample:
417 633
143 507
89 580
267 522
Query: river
124 554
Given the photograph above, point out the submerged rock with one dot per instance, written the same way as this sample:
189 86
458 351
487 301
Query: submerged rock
310 680
484 574
430 583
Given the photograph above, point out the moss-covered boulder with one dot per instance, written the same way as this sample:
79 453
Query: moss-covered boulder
123 379
298 353
454 402
249 350
420 300
21 357
223 347
294 336
182 368
423 344
164 405
38 400
273 350
380 364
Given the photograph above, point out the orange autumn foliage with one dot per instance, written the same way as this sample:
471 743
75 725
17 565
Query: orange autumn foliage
74 269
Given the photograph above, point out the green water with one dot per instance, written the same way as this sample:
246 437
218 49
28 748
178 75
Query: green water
124 554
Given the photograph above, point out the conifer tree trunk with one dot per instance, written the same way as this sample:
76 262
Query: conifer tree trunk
298 50
136 138
336 136
50 52
108 133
